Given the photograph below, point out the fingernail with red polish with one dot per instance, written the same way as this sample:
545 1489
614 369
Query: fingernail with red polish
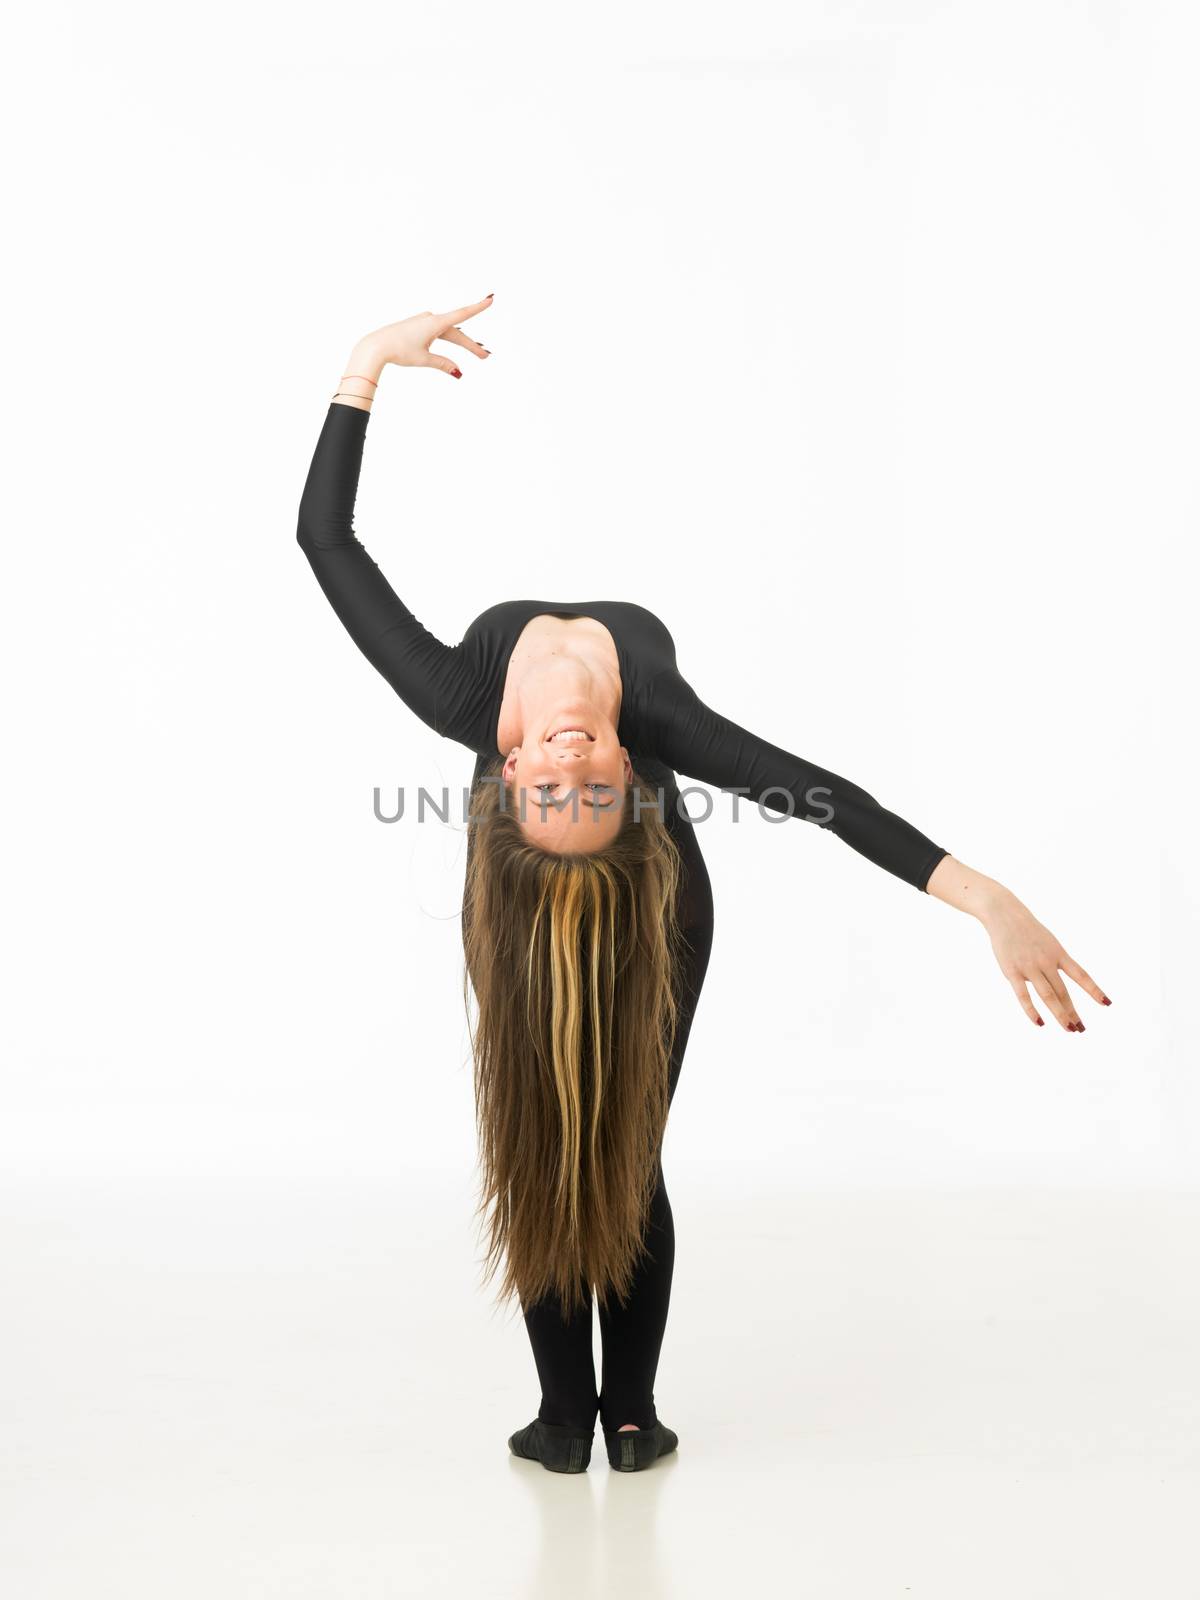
457 373
1104 1000
1081 1027
1040 1022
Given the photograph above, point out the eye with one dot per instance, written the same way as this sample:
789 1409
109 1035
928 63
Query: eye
540 787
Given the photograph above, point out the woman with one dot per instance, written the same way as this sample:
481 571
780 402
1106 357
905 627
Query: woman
587 919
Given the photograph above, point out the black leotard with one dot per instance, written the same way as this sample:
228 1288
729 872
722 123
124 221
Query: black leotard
457 688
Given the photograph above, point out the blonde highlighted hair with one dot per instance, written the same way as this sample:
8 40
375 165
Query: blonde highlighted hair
574 963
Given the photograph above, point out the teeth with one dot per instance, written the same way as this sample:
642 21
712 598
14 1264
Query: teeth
570 736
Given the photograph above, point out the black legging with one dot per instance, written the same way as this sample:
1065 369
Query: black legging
631 1335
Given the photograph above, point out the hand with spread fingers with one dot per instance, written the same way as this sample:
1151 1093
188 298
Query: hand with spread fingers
1027 952
407 344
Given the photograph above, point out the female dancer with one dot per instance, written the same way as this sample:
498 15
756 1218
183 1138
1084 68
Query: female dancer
587 919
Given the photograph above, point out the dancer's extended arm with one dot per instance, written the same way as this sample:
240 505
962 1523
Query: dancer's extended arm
698 741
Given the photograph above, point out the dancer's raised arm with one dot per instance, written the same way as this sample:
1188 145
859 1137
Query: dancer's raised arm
421 668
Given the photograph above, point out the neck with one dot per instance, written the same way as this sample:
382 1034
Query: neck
564 687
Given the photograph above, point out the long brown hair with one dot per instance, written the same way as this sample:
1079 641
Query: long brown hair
574 962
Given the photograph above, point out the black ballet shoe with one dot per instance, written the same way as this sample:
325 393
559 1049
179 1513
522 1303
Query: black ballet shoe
558 1448
638 1448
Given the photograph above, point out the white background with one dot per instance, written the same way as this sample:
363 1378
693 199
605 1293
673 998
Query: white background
858 341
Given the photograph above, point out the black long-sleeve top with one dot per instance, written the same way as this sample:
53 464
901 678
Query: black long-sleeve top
457 688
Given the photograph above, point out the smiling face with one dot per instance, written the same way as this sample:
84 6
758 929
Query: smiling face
579 766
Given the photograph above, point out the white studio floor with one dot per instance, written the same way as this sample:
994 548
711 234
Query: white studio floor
239 1388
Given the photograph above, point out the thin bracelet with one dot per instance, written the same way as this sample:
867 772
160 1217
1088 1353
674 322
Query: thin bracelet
349 394
361 375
